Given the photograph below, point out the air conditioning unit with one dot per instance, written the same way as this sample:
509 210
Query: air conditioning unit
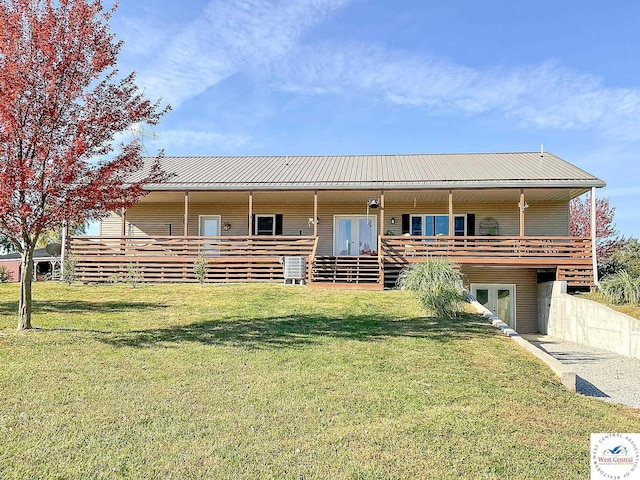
294 269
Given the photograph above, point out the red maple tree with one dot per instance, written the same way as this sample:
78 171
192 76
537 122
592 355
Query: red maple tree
61 104
580 223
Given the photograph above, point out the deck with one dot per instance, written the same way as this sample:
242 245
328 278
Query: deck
258 258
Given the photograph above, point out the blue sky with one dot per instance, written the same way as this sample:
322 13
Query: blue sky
286 77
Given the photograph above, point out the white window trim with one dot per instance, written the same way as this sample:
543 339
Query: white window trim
488 286
422 215
374 225
264 215
203 217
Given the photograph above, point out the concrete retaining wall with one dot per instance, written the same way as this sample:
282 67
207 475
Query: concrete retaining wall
586 322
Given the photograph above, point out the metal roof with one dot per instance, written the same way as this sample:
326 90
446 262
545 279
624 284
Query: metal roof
391 172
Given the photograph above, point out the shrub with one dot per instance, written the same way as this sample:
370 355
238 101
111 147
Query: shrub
621 288
6 275
438 284
133 276
200 268
69 270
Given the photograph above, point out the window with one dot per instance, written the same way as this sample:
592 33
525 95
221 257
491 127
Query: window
265 225
433 225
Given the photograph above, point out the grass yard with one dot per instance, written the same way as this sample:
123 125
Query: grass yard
631 310
271 381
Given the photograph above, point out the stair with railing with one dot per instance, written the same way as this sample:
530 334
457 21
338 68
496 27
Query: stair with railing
356 271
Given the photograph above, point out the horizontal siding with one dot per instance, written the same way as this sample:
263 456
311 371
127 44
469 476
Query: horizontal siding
525 280
551 218
150 219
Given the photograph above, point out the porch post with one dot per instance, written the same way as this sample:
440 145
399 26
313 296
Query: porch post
451 232
63 248
593 221
521 206
123 222
380 259
250 214
381 214
315 213
186 214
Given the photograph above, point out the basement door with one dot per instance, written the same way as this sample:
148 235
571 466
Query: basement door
499 298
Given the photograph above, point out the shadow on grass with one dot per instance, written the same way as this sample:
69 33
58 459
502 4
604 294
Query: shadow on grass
79 306
301 330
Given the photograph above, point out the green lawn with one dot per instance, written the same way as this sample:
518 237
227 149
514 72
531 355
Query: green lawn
631 310
271 381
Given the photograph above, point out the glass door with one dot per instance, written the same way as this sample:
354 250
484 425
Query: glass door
209 227
355 235
499 299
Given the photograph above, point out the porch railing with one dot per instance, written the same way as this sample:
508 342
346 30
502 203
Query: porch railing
164 259
572 256
509 250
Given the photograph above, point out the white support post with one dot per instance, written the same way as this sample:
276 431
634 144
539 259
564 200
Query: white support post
63 248
594 238
186 214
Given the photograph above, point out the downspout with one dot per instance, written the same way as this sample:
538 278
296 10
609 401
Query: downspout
593 237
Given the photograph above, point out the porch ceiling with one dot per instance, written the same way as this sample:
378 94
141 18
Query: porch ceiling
361 196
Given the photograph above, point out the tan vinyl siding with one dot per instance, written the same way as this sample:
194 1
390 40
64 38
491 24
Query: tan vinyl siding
525 280
551 218
147 218
110 226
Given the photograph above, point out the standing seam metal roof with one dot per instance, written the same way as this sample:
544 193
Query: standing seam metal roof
474 170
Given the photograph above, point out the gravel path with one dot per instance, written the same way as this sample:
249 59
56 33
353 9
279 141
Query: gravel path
605 375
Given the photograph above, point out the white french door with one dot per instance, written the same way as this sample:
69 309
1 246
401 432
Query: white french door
499 298
354 235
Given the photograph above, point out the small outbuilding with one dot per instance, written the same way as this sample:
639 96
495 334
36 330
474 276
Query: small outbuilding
46 265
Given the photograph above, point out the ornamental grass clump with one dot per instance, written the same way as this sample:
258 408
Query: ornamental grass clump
621 288
438 284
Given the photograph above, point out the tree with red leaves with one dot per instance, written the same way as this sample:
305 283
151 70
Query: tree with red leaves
61 104
580 223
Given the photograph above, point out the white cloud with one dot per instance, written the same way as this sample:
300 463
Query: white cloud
265 38
542 96
186 141
230 36
189 140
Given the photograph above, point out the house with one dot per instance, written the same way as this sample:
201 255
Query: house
356 221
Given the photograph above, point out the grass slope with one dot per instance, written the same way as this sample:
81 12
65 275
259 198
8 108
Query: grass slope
264 381
631 310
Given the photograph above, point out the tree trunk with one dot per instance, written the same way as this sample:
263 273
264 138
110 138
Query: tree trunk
26 279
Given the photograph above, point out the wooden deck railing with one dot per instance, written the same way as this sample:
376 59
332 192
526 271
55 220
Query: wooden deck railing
491 250
572 256
165 259
256 259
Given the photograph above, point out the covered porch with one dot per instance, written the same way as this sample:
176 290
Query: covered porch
359 238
